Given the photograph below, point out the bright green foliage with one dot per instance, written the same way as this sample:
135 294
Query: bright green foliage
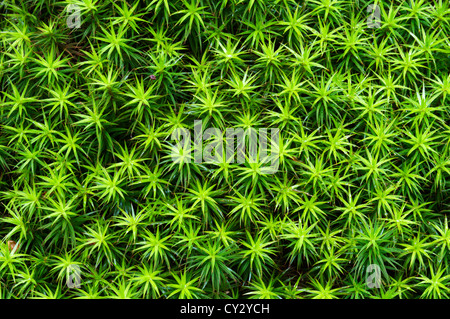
90 179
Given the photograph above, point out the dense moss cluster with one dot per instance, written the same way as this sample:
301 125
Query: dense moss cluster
95 201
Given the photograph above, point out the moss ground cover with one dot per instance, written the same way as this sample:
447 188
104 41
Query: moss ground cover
98 201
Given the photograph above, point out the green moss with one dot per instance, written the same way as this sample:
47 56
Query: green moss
96 202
